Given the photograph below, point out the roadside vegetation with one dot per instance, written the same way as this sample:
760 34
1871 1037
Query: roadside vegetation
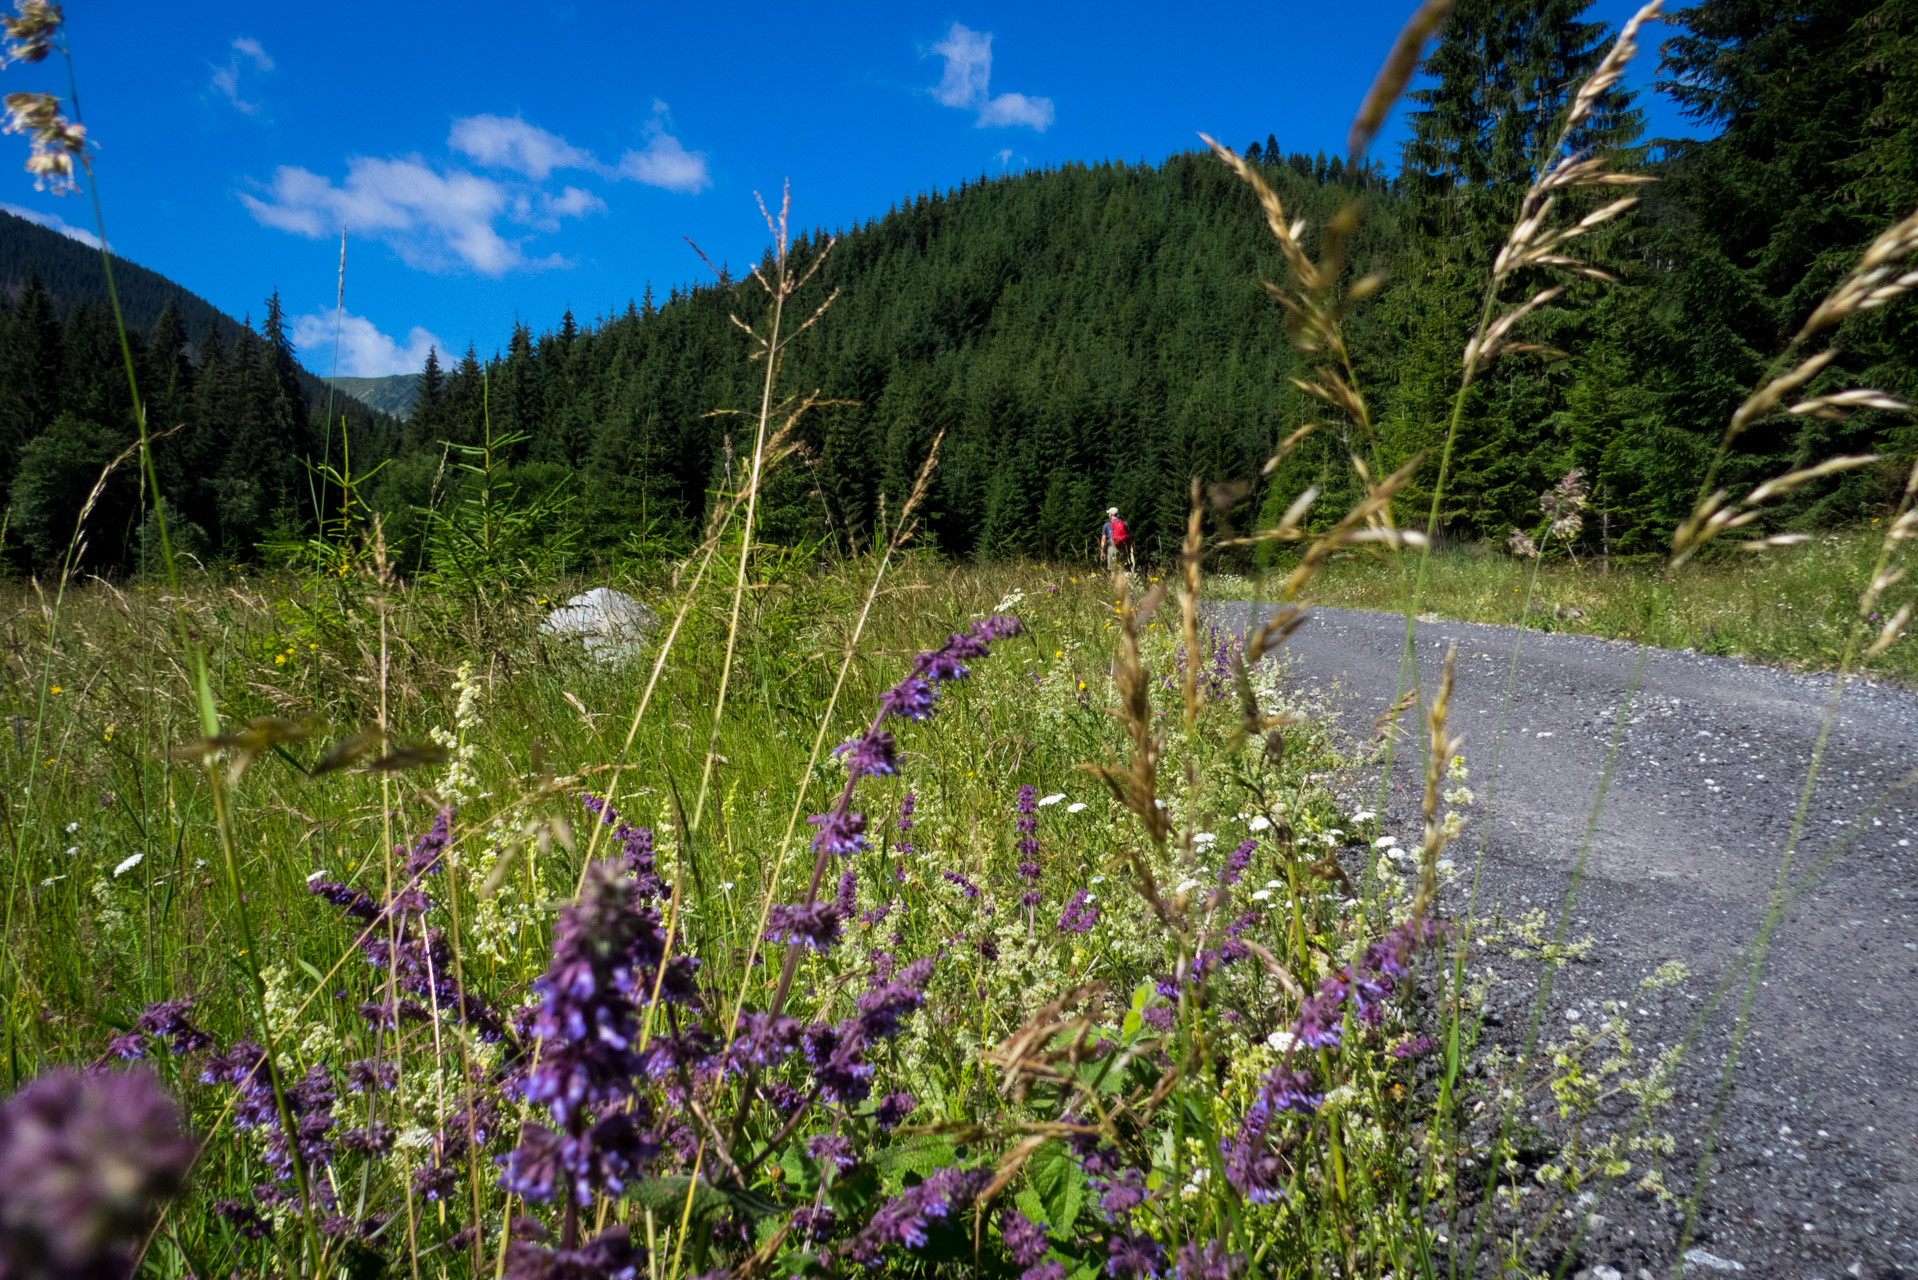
1794 608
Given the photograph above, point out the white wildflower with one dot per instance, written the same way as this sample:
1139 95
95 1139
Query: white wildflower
1055 798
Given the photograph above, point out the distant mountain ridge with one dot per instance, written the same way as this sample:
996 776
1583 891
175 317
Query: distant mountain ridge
72 274
395 394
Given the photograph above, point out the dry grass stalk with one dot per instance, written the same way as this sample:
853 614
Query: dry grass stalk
1393 76
1532 242
1441 749
1191 557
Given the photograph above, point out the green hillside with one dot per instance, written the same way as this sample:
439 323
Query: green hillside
394 394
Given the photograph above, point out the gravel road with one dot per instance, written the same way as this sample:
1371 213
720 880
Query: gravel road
1817 1166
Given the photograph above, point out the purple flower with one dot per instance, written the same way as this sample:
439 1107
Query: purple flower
910 699
1253 1169
848 899
84 1160
1080 915
966 886
1133 1253
840 832
636 846
902 1221
894 1108
1320 1021
1123 1194
765 1039
1045 1271
355 902
1159 1017
609 1256
1413 1048
169 1020
996 627
1237 861
1210 1261
1025 1239
812 924
841 1074
364 1075
824 1147
425 858
871 754
815 1225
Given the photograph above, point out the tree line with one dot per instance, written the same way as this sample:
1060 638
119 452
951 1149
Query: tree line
1095 335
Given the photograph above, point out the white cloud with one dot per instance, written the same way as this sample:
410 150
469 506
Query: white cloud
1015 109
53 222
967 84
968 56
665 163
226 79
444 217
508 142
435 221
365 352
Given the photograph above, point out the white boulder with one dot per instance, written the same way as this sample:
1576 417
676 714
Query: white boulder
610 625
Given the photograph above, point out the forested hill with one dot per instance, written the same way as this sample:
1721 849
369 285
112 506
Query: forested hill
1087 336
72 274
249 418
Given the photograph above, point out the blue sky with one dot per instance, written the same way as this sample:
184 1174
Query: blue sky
494 161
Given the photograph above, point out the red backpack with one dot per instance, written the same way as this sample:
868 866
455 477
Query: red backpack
1118 531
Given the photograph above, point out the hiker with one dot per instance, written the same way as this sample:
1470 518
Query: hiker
1115 540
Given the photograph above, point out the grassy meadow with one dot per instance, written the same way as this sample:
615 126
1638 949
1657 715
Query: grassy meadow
1229 1034
1794 606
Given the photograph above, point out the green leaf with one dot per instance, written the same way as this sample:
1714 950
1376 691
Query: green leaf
1060 1185
670 1193
920 1155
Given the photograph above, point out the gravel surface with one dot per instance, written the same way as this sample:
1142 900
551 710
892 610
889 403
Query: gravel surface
1816 1172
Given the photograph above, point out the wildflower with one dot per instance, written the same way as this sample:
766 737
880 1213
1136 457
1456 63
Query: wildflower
966 886
1320 1022
831 1147
1079 916
893 1109
169 1020
636 844
611 1255
1025 1239
910 699
1080 805
815 1224
83 1161
764 1039
425 858
840 832
1210 1261
1413 1048
812 924
1054 798
902 1222
1133 1253
1123 1194
870 754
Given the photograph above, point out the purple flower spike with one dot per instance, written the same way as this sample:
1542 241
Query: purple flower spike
814 924
1025 1239
996 627
425 858
83 1162
1133 1254
903 1220
893 1109
910 699
871 754
1079 916
831 1147
1210 1261
840 832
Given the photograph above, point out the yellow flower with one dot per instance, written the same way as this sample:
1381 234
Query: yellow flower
1082 684
312 646
279 659
56 688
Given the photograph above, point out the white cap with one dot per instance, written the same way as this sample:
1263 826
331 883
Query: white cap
1112 511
